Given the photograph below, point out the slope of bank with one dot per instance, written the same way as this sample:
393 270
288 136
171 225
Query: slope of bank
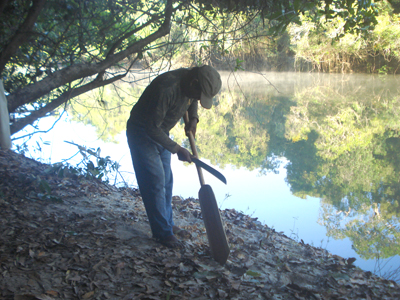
72 238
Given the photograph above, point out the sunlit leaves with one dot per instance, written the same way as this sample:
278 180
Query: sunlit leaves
386 36
336 46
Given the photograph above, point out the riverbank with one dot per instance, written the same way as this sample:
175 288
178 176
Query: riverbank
73 238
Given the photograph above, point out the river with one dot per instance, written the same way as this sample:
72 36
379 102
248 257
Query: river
312 155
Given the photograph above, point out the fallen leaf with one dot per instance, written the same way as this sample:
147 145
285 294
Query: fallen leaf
286 267
141 270
32 297
184 268
52 293
188 283
239 240
235 284
222 294
121 265
240 255
358 281
351 260
44 297
206 274
88 295
252 273
74 278
168 283
31 253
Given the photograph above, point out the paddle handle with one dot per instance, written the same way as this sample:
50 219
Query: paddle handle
194 150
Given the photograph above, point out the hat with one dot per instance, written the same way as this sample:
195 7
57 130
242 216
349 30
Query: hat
210 83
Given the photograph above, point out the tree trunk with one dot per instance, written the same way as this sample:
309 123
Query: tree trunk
5 141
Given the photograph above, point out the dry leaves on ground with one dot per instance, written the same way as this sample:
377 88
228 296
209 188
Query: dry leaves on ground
73 238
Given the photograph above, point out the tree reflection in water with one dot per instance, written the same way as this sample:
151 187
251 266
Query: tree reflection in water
340 134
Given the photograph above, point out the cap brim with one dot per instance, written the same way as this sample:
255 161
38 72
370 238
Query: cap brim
205 101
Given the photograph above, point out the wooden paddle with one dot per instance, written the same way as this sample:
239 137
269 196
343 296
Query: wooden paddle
210 212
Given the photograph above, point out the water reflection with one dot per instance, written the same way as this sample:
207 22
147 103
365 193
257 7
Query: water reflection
339 133
341 138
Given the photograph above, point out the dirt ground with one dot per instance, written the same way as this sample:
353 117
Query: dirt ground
67 237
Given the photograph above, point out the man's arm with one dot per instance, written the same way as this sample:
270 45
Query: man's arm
193 118
193 110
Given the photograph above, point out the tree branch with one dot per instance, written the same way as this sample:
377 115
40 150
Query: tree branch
120 40
22 33
40 131
17 126
34 91
3 4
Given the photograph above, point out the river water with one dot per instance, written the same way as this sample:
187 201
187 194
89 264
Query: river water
312 155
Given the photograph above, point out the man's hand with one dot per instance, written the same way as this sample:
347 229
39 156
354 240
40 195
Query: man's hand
191 126
184 155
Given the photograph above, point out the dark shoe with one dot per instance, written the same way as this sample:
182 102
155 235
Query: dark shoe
170 242
181 232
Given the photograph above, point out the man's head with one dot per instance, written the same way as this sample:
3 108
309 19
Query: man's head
204 83
210 83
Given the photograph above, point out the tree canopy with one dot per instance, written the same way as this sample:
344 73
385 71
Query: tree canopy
51 51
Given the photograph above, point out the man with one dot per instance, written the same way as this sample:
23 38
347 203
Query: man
161 106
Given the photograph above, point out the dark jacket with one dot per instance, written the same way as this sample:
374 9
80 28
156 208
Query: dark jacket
161 106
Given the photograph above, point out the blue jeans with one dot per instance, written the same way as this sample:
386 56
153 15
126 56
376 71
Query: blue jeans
152 165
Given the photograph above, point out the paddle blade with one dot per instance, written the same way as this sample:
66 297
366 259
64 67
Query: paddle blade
212 221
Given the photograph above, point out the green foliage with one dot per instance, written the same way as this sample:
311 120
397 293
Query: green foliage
253 273
73 47
334 47
45 191
238 64
386 36
92 166
67 33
